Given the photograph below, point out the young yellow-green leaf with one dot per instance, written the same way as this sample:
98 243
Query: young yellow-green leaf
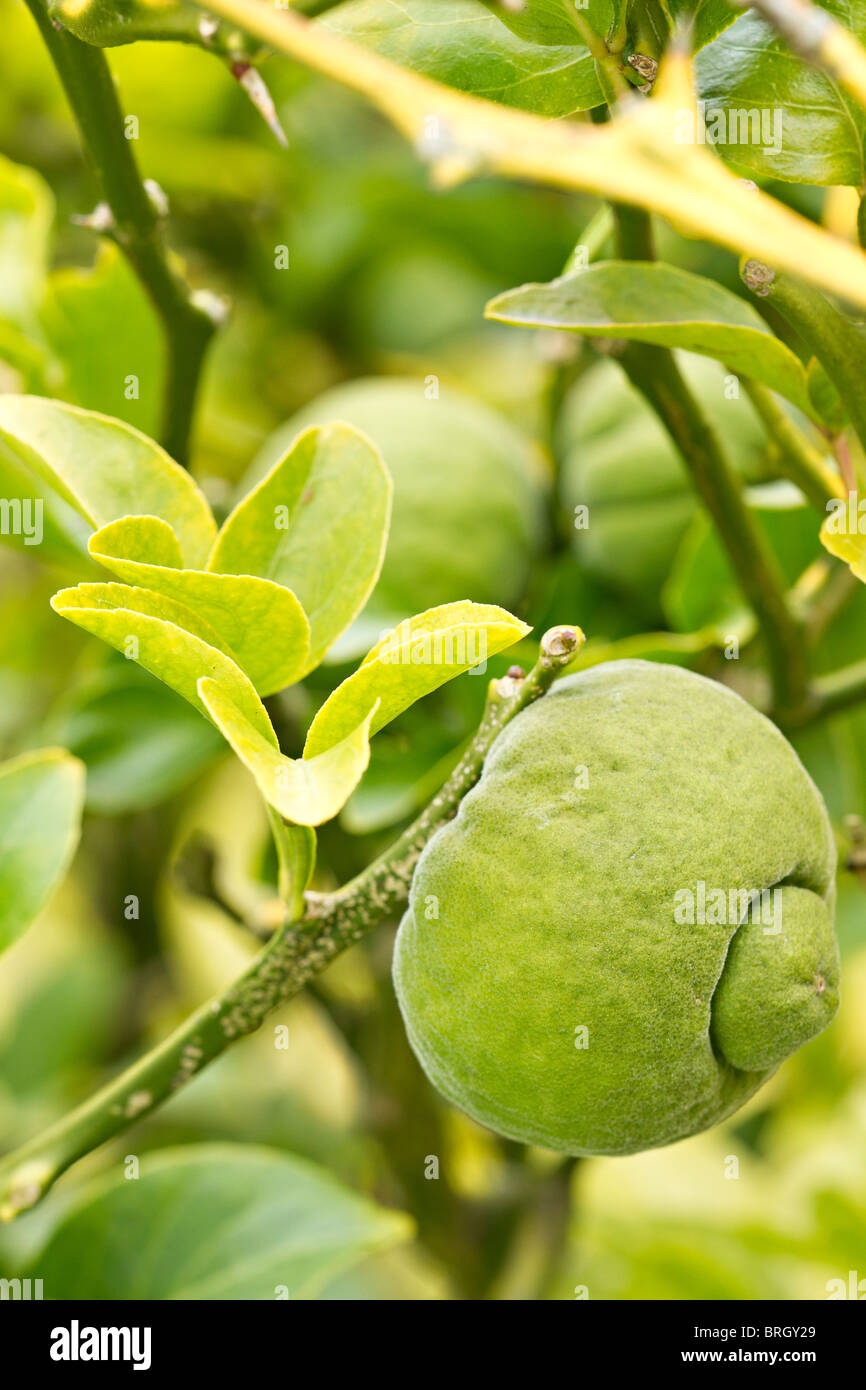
143 540
412 659
261 624
308 790
41 795
167 639
318 524
842 536
656 303
104 469
213 1223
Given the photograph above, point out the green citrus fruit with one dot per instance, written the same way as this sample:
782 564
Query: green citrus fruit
619 462
582 964
467 517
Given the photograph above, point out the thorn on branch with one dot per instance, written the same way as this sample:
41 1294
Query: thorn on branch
256 89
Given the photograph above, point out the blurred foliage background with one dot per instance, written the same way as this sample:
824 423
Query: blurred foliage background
385 277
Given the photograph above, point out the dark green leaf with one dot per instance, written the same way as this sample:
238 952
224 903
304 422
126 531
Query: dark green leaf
710 18
812 130
657 303
214 1222
459 43
557 21
139 741
40 810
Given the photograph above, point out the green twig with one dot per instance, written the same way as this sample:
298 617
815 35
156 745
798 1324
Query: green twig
837 342
298 951
828 598
134 222
654 372
840 690
592 240
800 460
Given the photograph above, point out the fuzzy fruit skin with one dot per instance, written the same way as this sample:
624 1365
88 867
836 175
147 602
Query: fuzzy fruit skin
556 910
468 512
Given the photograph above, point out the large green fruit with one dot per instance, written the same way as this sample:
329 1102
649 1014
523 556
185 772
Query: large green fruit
467 516
550 979
619 461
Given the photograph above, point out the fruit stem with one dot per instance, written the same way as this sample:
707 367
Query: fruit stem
654 372
296 952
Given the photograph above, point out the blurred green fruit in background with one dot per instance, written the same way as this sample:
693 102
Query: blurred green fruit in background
553 979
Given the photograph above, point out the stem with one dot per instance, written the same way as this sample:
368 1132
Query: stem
135 222
837 342
653 370
825 604
592 240
803 463
840 690
298 951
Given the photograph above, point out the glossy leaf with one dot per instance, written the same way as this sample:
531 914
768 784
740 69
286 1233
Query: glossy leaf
707 17
41 796
657 303
552 22
460 43
307 791
164 637
411 660
103 469
819 129
259 623
318 524
211 1223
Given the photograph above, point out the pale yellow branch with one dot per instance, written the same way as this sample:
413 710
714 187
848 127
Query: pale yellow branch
639 158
